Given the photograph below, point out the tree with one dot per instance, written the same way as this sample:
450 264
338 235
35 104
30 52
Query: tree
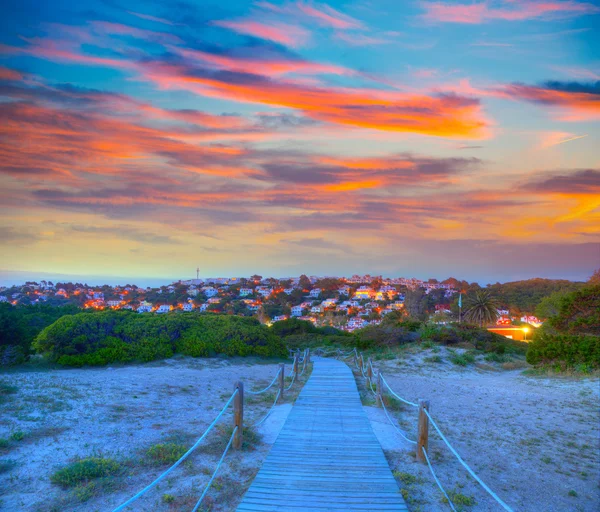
595 279
304 282
481 308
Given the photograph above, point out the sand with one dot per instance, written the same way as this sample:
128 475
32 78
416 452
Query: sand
533 440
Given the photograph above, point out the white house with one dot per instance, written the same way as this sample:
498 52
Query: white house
503 312
355 323
315 309
3 298
329 303
279 318
297 310
113 303
164 308
188 306
96 295
203 307
244 292
288 291
209 291
399 304
144 308
214 300
315 292
265 292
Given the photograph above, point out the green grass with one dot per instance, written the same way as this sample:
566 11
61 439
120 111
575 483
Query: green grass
165 453
18 435
462 359
460 499
433 359
83 470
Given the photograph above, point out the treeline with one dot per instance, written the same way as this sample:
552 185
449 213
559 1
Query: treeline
570 338
21 324
122 336
522 297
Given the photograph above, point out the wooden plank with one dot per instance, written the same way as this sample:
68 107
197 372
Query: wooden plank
326 456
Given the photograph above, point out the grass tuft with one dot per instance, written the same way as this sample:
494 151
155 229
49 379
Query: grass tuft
165 453
83 470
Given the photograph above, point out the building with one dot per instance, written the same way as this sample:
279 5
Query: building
113 303
355 323
364 292
188 307
279 318
314 293
297 310
144 308
513 333
244 292
209 291
164 308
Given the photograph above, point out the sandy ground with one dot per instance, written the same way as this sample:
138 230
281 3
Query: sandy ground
535 441
120 413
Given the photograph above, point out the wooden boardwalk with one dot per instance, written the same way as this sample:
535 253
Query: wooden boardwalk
326 457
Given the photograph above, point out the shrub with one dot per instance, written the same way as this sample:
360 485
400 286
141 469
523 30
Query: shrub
383 335
83 470
167 453
570 349
119 336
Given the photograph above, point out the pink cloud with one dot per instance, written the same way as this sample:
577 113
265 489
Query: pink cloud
282 33
508 10
328 16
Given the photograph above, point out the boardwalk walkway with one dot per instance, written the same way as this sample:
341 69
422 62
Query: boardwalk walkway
326 457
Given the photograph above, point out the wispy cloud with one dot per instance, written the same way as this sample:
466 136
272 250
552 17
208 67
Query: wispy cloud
507 10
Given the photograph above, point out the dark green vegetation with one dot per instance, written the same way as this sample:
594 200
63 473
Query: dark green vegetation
571 337
524 296
19 325
121 336
84 470
481 308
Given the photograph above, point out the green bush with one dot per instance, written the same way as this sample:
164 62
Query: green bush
106 337
569 349
166 453
84 470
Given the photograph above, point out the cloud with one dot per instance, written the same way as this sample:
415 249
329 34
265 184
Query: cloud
127 233
575 101
580 182
11 235
549 139
282 33
506 10
321 14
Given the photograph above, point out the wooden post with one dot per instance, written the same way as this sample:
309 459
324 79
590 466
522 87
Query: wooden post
238 415
369 370
281 381
362 362
355 358
379 389
423 432
295 367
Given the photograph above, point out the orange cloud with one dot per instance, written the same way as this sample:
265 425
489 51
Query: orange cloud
367 163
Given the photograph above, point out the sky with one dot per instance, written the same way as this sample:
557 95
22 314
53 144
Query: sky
146 139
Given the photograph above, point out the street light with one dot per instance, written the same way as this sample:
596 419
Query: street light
525 331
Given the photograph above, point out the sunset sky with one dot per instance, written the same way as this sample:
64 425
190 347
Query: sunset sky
404 138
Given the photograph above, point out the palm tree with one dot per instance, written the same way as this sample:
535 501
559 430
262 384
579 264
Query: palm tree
482 308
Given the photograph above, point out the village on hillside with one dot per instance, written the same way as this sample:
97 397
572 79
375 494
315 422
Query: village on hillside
345 303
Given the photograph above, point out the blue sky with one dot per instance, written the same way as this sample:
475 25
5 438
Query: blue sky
419 138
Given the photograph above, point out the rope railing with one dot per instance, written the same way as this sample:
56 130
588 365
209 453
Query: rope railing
466 466
267 388
215 471
368 372
181 459
236 438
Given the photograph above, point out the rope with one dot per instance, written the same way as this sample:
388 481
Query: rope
183 457
269 411
490 492
267 388
291 383
216 470
397 396
393 424
436 480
